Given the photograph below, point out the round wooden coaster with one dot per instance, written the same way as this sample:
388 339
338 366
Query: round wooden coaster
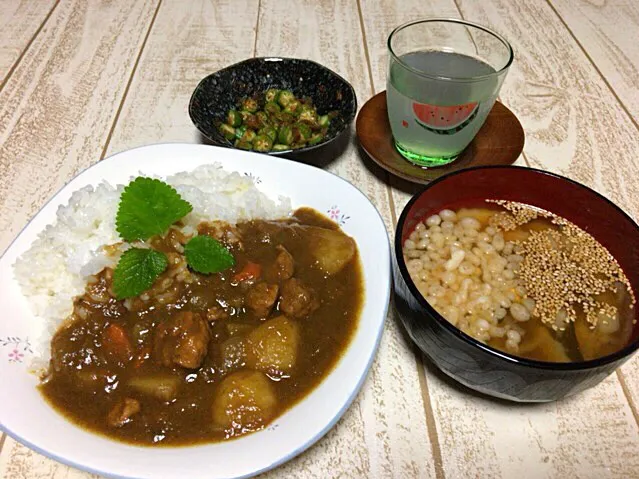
499 142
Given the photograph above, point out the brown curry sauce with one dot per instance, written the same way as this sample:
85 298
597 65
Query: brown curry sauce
91 377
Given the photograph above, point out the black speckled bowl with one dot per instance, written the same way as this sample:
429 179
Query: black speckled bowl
221 91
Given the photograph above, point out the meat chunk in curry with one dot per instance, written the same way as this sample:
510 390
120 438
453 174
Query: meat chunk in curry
182 340
122 412
201 358
262 297
297 300
284 265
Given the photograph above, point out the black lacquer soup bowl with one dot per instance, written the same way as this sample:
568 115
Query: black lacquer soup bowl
471 362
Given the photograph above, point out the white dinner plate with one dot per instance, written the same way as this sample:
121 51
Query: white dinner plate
27 417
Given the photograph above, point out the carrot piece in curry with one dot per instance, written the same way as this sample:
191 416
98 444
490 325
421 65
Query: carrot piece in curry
116 341
250 271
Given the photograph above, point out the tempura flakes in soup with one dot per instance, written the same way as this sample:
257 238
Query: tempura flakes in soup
522 280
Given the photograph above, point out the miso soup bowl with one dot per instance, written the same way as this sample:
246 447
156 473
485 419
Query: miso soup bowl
477 365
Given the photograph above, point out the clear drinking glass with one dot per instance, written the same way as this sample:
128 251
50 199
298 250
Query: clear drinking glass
443 78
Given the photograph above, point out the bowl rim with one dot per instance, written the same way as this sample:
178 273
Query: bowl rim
622 353
347 121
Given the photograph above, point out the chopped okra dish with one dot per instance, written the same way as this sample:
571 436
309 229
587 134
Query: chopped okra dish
275 121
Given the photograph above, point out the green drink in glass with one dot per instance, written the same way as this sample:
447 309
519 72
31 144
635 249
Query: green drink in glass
444 77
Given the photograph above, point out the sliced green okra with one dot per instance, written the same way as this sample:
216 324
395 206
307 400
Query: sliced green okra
228 131
249 135
269 131
250 104
285 135
293 107
271 95
239 131
285 97
315 139
262 119
262 143
244 145
272 108
324 120
234 118
301 132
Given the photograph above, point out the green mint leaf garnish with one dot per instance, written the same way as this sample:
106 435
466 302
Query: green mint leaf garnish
136 271
147 208
207 255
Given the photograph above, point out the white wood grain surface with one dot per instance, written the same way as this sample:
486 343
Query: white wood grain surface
603 29
20 21
83 81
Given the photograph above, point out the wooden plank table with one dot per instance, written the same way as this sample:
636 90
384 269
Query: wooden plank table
83 79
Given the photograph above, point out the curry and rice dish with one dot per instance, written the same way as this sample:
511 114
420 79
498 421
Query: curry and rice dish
522 280
208 330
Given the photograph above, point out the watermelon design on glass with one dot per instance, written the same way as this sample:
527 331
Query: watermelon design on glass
445 120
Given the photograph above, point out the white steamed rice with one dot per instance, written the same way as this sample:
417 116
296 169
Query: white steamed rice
56 267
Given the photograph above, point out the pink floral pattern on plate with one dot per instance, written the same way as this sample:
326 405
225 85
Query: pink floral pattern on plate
336 215
16 348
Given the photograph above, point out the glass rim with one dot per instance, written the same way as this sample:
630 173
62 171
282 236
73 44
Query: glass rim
499 37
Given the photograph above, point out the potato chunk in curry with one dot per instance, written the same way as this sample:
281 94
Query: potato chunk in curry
244 402
331 249
273 346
